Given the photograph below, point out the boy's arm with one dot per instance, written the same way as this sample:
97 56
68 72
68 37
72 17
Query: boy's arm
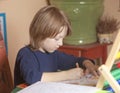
75 73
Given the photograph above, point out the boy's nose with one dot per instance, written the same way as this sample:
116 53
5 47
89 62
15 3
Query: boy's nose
60 42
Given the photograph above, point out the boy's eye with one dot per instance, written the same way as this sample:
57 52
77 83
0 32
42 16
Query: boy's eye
56 39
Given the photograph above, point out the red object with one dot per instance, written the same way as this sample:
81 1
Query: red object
6 83
92 51
118 65
22 85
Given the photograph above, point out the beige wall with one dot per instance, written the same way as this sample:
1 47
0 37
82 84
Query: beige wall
112 9
19 14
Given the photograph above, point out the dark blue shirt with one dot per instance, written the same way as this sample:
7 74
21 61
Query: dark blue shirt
30 64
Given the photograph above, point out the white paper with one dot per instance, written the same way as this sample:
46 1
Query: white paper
85 80
55 87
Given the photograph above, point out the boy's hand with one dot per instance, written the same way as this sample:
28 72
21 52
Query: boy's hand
91 68
75 73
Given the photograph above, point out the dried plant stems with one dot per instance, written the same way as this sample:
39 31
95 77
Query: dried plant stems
107 25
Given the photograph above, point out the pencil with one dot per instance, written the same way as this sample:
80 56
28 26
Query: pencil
77 65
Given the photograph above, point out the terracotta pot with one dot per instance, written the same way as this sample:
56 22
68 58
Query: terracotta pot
105 38
84 15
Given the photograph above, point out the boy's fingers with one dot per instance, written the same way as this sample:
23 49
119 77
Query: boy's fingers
77 65
86 71
95 74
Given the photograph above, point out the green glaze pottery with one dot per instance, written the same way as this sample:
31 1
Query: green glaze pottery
83 15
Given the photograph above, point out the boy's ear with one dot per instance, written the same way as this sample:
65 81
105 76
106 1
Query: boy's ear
48 2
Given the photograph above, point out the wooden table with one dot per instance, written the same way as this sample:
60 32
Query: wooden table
92 51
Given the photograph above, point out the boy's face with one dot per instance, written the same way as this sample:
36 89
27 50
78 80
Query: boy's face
52 44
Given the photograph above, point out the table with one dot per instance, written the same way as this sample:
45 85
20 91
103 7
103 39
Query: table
92 51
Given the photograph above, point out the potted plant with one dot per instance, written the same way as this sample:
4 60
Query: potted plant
105 28
83 15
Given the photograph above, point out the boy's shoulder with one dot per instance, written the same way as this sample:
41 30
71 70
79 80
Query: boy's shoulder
24 50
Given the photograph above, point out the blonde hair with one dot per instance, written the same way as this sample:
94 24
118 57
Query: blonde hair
47 23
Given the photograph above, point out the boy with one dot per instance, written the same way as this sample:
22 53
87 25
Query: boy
40 60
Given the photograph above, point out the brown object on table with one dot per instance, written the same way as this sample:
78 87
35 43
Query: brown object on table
92 51
6 84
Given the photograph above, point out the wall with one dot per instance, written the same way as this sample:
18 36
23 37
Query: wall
19 14
112 8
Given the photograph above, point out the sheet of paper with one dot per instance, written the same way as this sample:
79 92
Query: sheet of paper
55 87
87 80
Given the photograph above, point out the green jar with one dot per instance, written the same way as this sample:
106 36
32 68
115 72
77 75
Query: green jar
84 15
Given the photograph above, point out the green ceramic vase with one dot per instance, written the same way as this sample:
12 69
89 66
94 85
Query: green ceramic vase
83 15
